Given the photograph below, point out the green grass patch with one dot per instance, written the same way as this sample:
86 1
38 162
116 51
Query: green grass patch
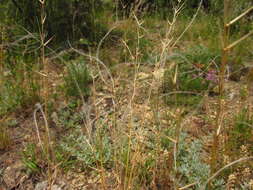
241 131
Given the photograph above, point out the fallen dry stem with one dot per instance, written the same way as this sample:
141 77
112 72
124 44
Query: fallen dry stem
239 17
225 167
238 41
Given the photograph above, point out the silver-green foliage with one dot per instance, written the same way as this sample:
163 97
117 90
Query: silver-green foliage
191 166
85 151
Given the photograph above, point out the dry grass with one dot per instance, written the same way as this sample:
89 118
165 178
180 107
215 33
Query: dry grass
125 134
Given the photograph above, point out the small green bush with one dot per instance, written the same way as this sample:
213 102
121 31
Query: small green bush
77 79
194 71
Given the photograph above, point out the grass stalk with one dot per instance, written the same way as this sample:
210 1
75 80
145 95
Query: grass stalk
130 167
45 92
220 112
1 51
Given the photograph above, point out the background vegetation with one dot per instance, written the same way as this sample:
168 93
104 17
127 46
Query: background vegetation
126 94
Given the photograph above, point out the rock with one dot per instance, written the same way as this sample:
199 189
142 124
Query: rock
41 186
59 186
13 174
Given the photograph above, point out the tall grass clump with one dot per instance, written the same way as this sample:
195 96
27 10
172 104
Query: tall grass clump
20 86
66 20
77 79
240 134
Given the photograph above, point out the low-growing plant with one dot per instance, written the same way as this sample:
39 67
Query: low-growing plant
67 117
190 165
86 152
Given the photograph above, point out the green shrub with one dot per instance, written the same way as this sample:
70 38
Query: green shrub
193 69
77 79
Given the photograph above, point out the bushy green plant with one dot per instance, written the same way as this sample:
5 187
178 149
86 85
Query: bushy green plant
13 96
77 79
19 81
193 69
192 74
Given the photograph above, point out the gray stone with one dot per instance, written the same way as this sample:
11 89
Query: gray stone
41 186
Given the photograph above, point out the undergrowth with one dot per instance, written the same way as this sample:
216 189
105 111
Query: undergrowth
189 75
99 126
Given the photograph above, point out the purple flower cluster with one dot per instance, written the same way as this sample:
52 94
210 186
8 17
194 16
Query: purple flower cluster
211 76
